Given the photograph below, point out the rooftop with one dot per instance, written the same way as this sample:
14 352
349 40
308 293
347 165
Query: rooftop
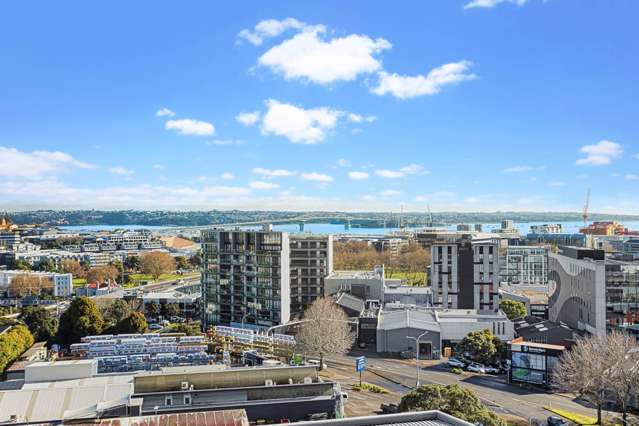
359 275
419 418
200 418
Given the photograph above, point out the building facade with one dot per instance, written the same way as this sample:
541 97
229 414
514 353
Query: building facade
465 274
525 266
245 278
61 284
311 261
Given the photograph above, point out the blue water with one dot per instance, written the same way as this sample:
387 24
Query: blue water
327 228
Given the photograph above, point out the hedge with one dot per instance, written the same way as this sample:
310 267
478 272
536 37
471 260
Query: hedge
13 343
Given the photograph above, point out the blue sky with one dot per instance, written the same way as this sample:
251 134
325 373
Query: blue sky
462 105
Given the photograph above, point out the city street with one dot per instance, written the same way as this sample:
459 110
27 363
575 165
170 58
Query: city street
398 376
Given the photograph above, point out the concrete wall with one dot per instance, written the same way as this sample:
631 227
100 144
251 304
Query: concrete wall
395 341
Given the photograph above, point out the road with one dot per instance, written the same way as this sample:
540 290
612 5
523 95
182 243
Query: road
498 395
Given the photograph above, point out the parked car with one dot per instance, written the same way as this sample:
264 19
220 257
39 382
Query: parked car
456 363
556 421
316 363
489 369
389 408
476 368
155 326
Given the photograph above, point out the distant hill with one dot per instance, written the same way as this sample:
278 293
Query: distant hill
200 218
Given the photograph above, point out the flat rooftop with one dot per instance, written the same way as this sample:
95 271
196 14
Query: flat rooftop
420 418
359 275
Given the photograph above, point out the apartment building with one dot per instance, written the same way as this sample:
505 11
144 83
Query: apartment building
311 258
525 266
245 278
465 274
61 284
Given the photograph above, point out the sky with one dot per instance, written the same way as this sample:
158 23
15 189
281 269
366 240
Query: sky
464 105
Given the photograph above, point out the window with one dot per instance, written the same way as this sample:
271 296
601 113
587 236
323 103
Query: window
187 399
168 400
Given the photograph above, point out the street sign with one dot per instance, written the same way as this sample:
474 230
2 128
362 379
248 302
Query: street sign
360 364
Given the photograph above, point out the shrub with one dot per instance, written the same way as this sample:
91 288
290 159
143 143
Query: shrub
370 388
456 370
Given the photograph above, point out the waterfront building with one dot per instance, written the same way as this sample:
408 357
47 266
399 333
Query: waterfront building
604 228
465 274
245 278
546 228
311 260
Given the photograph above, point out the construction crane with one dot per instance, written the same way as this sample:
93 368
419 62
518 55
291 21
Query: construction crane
586 207
429 223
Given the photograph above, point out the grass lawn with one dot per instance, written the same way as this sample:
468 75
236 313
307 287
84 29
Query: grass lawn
411 278
79 282
573 417
138 279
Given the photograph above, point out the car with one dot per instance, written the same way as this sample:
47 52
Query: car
476 367
389 408
489 369
155 327
316 363
456 363
556 421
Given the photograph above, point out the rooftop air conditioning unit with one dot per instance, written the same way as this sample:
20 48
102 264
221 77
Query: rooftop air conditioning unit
268 382
308 380
184 386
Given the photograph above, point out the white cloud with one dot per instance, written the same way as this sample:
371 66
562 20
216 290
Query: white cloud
248 118
222 142
390 193
637 156
158 166
271 173
269 28
164 112
298 125
227 176
20 164
358 175
491 3
409 169
308 55
256 184
189 126
405 86
631 176
518 169
317 177
357 118
556 184
342 162
120 171
600 154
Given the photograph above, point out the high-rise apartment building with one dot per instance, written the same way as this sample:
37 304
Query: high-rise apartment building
311 261
245 278
525 266
465 274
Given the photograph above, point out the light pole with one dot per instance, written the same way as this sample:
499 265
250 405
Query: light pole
417 354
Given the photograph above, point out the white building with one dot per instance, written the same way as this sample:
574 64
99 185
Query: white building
62 284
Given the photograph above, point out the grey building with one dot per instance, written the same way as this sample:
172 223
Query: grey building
245 278
525 266
361 284
311 261
465 274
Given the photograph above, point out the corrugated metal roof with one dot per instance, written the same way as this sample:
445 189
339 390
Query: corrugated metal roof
408 318
198 418
351 302
418 418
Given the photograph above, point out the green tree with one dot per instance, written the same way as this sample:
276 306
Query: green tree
134 322
169 310
41 324
196 260
453 400
190 329
48 265
117 311
152 309
181 263
513 309
482 346
132 263
82 318
13 343
21 265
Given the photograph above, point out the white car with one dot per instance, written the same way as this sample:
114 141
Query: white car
455 363
476 368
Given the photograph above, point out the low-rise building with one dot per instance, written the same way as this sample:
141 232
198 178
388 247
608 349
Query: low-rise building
532 363
61 284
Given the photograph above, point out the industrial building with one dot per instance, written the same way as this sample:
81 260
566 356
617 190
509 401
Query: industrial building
245 278
311 260
465 274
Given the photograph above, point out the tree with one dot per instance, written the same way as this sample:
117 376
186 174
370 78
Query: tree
169 310
481 346
102 274
190 329
152 309
72 266
13 343
40 323
82 318
21 265
181 263
156 263
132 263
117 311
593 369
453 400
27 284
134 322
325 331
47 265
513 309
196 260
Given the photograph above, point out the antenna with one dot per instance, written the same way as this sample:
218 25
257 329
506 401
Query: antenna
586 207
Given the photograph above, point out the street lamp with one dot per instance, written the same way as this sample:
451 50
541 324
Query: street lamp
417 354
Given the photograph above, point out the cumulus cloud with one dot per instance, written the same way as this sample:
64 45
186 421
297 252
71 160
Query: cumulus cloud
491 3
256 184
600 154
357 118
299 125
272 173
357 175
309 55
21 164
164 112
122 171
227 176
343 162
316 177
410 169
269 28
248 118
405 86
188 126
